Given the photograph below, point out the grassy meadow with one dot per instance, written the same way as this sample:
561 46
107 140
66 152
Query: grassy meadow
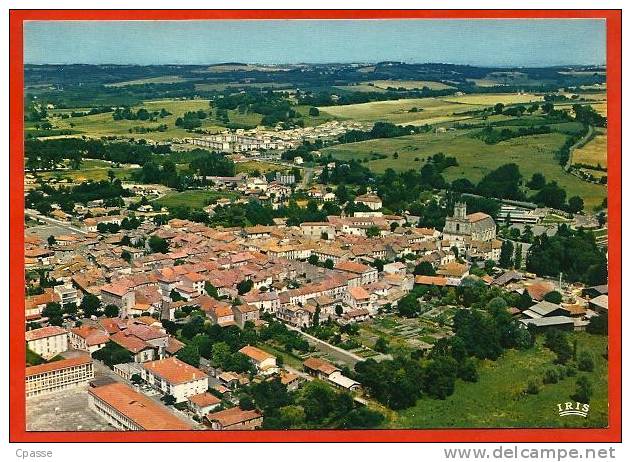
193 199
497 401
533 154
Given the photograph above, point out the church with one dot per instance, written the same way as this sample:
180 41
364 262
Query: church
473 227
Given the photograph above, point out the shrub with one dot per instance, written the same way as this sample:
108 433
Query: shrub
533 387
550 376
585 362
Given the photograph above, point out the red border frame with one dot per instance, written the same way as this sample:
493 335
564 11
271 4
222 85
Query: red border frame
17 426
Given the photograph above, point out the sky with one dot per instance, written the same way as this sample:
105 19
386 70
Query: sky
522 42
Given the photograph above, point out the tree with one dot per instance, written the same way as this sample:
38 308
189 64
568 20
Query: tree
361 417
409 306
424 268
168 400
189 354
245 286
382 345
125 255
373 231
158 244
575 204
314 112
506 254
90 305
584 389
51 241
54 313
498 108
211 290
518 256
112 353
553 297
328 263
339 310
441 377
111 311
467 370
246 403
537 181
313 259
524 301
136 379
550 375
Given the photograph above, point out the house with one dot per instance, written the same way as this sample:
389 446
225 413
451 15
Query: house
126 409
595 291
235 418
544 309
88 338
326 371
438 281
268 302
357 315
244 313
600 304
318 230
367 274
264 362
291 381
59 375
174 377
539 290
372 201
358 298
118 294
203 404
141 351
546 323
319 368
47 341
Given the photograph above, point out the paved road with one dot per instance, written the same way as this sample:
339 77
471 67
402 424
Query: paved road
37 216
588 136
338 353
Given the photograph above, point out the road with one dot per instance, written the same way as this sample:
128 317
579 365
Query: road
37 216
338 353
588 136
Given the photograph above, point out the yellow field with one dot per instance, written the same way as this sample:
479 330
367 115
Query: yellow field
494 98
593 153
99 125
601 108
161 79
410 84
398 111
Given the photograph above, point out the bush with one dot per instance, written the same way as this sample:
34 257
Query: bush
550 376
583 389
585 362
533 387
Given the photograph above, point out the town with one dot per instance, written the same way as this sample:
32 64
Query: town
382 254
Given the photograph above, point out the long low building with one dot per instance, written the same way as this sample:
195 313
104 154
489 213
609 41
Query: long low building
126 409
59 375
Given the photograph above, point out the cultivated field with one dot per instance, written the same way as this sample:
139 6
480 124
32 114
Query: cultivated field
594 152
533 154
497 401
490 99
161 79
401 111
410 84
91 169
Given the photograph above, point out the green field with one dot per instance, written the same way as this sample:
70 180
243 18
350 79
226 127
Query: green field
496 400
533 154
161 79
99 125
194 199
91 169
409 84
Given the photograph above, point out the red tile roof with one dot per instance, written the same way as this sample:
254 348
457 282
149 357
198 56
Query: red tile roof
58 365
174 371
138 408
45 332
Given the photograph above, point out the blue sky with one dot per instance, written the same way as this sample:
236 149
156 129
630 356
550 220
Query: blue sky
475 42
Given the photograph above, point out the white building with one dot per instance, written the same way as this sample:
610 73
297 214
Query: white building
174 377
47 341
